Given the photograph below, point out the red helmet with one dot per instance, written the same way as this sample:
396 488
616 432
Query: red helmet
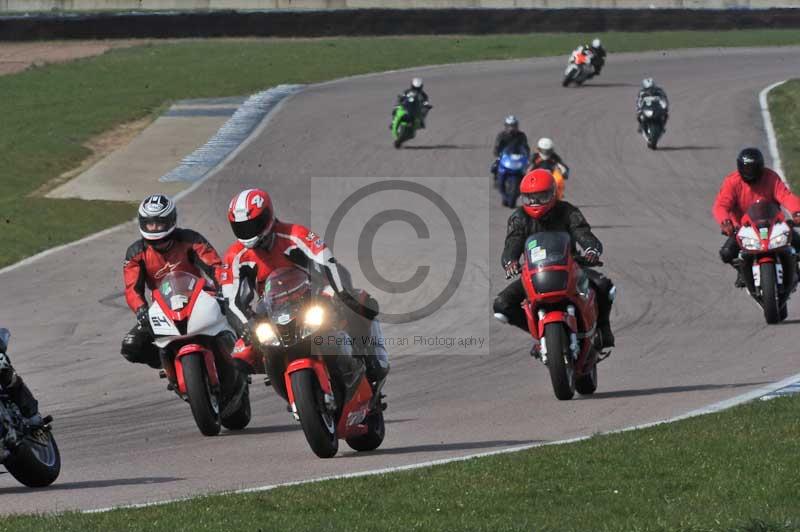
251 216
538 190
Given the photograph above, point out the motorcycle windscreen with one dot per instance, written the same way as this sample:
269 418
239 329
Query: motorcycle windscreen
285 293
514 160
548 249
763 213
177 289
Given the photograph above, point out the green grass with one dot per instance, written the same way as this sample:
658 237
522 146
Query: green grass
735 470
48 113
784 105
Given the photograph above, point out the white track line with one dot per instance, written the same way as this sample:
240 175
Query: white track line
772 140
716 407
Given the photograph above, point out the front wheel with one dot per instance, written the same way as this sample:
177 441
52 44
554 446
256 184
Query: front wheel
203 402
376 431
318 424
511 186
36 463
769 293
559 361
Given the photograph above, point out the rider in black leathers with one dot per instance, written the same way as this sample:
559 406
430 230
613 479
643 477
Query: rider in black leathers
12 384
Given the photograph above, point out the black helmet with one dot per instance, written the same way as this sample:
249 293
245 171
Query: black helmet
750 163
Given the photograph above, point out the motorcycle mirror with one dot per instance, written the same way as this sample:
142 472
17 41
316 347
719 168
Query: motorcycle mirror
5 336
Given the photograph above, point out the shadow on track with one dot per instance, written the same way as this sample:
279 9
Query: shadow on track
687 148
433 447
669 389
445 147
790 322
268 429
90 484
593 84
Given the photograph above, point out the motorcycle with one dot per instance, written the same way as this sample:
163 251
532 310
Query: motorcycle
653 114
579 69
29 453
195 339
768 260
406 118
561 311
510 170
325 385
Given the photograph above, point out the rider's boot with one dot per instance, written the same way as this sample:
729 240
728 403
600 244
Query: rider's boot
737 265
376 358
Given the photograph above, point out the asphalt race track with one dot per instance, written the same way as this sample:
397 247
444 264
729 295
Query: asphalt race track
686 337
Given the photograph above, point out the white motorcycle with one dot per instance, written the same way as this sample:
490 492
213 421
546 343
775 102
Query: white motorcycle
195 342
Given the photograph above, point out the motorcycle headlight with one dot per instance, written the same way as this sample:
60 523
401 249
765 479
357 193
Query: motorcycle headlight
778 241
648 113
314 316
751 243
265 333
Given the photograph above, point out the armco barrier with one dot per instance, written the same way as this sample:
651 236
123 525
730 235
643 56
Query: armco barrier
381 22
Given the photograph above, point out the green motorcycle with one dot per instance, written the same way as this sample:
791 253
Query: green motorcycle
407 118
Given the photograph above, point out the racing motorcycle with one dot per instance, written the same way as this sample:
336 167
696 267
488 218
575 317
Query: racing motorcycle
768 260
29 453
653 114
510 170
308 357
579 69
195 339
561 311
406 118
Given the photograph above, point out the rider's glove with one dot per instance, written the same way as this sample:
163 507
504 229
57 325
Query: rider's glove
512 269
796 218
727 228
592 257
143 318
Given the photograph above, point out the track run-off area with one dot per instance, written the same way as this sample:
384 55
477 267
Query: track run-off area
686 337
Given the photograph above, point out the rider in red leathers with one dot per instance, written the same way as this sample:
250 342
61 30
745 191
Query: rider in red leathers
265 244
166 248
750 182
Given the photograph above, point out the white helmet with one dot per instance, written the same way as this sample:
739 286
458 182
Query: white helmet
545 147
416 83
596 43
648 83
157 217
511 121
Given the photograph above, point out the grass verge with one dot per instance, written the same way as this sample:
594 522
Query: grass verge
50 112
732 471
784 106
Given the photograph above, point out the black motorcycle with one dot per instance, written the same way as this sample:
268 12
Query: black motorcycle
28 452
653 118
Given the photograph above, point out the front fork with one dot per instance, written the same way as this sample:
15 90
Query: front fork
570 322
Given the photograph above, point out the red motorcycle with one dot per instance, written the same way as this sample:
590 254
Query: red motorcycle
308 357
768 261
561 309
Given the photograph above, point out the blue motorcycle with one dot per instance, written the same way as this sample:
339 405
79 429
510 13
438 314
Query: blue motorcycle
510 169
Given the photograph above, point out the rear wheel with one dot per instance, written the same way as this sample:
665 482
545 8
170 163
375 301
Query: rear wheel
37 461
241 418
587 384
318 424
203 402
559 361
769 293
376 430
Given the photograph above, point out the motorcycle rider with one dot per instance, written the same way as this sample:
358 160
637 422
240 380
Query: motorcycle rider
165 248
649 88
18 391
547 158
750 182
510 137
586 50
416 90
598 56
541 211
264 244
